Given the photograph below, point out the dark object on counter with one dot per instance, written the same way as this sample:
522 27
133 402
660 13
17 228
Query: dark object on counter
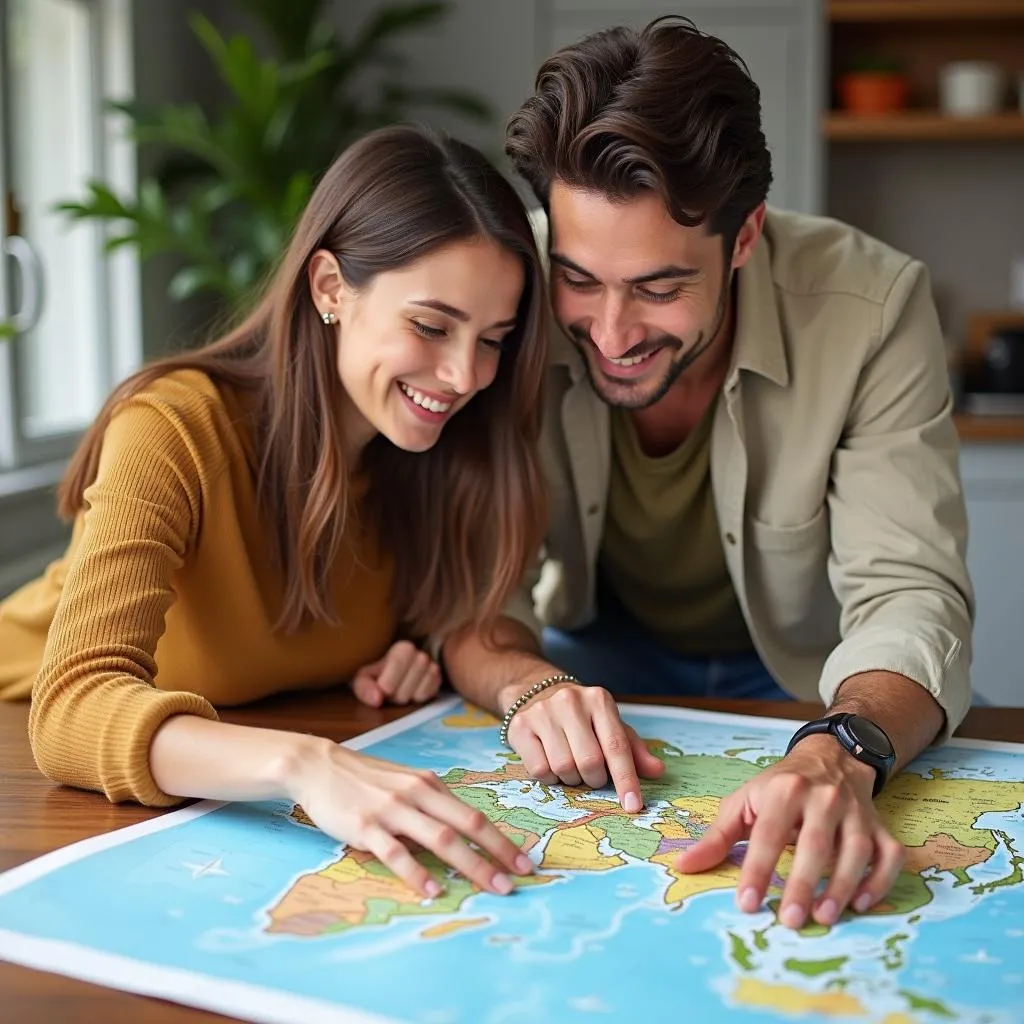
992 403
1004 361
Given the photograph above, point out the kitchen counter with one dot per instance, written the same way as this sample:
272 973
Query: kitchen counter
1002 429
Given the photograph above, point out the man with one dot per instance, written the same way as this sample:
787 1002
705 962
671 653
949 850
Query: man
753 467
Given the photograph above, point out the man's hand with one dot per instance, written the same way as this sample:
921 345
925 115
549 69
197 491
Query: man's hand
573 734
820 798
404 675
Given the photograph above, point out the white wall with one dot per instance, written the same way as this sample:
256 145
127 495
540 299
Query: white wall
493 47
487 47
959 207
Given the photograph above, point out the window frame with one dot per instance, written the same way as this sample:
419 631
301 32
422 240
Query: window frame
111 64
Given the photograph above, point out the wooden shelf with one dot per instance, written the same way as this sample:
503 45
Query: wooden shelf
989 428
923 125
924 10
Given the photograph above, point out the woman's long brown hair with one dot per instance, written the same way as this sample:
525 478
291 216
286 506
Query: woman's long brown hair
462 520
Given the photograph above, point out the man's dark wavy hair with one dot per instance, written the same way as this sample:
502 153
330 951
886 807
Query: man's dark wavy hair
667 109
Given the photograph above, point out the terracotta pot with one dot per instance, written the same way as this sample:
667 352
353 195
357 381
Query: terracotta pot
873 92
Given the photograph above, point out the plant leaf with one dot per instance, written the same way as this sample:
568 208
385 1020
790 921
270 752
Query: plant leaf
119 242
290 22
101 202
189 280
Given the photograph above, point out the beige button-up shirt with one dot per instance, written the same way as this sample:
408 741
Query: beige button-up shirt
834 468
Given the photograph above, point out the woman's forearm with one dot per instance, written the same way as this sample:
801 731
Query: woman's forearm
193 757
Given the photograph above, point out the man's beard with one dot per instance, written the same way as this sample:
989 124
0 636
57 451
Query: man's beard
640 400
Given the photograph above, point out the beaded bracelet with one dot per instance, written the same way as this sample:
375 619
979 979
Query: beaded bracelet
524 697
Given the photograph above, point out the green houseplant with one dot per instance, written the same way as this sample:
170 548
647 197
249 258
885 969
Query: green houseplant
229 188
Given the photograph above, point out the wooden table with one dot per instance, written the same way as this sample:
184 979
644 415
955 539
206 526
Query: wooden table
37 816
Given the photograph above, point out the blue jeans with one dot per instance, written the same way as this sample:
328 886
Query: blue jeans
616 652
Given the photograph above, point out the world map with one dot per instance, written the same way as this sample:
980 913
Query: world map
250 910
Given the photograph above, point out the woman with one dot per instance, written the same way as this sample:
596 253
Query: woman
269 512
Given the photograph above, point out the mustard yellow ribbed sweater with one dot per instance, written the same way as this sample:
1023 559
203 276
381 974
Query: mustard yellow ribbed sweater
165 599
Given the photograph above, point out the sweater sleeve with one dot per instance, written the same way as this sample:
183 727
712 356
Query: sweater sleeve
95 708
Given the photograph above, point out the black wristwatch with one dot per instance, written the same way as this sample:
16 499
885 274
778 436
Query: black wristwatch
857 736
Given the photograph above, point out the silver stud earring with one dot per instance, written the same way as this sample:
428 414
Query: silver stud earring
328 317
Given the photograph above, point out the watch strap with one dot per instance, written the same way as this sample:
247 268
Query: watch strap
833 726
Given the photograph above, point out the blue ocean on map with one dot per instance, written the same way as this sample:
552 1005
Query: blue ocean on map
589 946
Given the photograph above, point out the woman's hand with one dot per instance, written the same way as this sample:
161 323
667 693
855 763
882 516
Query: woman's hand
404 675
573 734
374 805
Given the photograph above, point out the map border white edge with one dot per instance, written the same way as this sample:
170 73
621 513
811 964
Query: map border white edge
260 1004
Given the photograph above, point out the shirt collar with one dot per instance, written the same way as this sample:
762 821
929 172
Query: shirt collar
758 345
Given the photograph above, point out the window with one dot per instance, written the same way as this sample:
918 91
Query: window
71 313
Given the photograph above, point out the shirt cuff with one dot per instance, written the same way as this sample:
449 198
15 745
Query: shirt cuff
938 663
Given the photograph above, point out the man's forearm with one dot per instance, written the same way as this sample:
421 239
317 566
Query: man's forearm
905 710
492 676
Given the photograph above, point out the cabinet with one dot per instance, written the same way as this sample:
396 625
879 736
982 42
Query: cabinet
993 478
782 43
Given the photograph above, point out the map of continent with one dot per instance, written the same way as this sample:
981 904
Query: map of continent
606 927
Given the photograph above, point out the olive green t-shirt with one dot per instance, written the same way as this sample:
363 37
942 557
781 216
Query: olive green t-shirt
661 552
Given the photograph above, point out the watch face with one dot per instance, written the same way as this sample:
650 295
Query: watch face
869 736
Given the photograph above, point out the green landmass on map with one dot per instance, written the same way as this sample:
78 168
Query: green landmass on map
1016 874
892 955
935 1006
812 968
571 830
740 952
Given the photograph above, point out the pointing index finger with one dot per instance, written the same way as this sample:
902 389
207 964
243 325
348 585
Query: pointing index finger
618 755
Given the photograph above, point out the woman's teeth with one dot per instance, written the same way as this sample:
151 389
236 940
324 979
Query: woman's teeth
629 360
430 404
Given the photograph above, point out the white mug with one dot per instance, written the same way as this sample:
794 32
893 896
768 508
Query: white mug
1017 283
970 88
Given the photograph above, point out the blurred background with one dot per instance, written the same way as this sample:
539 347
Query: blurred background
154 155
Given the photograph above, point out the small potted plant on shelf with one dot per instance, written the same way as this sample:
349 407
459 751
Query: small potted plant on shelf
873 85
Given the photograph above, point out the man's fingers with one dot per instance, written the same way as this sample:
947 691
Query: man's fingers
617 749
855 850
714 846
647 764
396 667
815 849
366 689
769 836
890 857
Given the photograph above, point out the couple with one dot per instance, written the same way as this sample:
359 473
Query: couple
737 459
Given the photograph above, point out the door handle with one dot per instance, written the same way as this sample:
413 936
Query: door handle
31 271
